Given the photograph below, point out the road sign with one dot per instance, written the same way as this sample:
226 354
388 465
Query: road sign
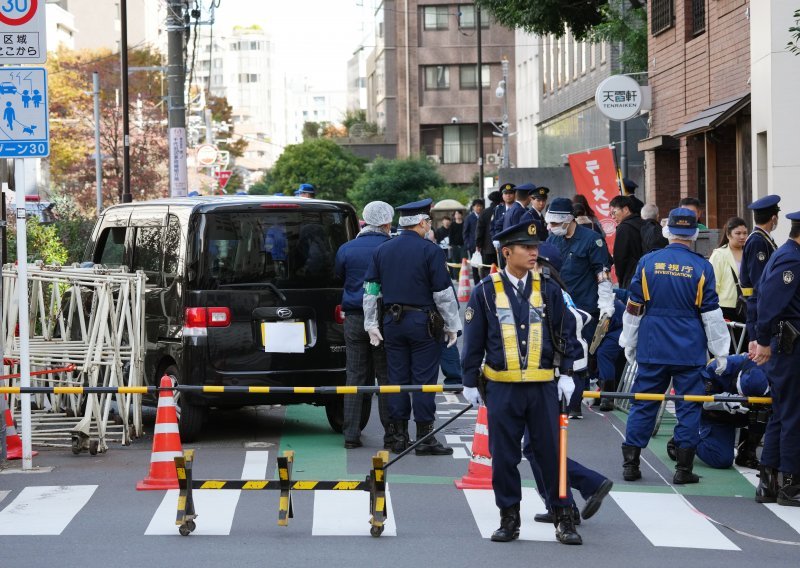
206 155
24 128
223 177
223 158
619 97
22 30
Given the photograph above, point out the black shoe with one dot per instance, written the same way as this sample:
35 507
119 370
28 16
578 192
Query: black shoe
400 437
767 489
431 446
350 444
672 449
509 525
746 449
593 503
565 527
630 463
576 414
606 405
683 469
550 519
789 494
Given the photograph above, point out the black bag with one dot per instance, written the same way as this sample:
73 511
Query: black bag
436 325
741 303
787 336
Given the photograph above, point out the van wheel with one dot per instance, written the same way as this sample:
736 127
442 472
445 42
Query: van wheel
190 417
335 413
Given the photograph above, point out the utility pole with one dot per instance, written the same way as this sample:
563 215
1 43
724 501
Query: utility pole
126 126
505 161
480 100
176 84
98 155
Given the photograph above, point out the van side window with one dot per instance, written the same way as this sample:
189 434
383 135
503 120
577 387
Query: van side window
110 249
147 253
172 241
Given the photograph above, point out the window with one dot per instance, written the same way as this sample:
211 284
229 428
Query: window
147 253
460 144
435 17
466 17
248 77
662 15
468 76
172 241
437 77
698 16
111 247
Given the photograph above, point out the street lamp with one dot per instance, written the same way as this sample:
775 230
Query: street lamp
502 93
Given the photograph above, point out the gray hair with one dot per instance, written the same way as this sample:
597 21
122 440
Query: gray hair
650 211
670 237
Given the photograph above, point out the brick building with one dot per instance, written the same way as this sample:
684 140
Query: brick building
699 70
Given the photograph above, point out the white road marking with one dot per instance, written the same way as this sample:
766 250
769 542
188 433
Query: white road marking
487 515
346 513
789 515
45 510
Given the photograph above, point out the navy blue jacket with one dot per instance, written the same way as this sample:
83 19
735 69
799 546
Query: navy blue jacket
498 219
583 256
470 230
531 215
513 215
352 261
778 297
757 251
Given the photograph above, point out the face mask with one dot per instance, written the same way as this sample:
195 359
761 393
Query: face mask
559 231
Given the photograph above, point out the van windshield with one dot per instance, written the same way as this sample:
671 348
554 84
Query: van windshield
291 249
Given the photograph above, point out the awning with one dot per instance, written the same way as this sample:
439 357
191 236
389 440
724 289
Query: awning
713 116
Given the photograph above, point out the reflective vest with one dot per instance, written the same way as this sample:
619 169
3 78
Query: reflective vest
519 367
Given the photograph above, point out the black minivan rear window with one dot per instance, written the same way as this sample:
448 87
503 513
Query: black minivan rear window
289 248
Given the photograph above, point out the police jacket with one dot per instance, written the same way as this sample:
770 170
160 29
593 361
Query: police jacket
352 260
483 232
513 335
584 255
628 248
513 215
470 227
498 219
674 286
778 296
533 215
757 251
725 383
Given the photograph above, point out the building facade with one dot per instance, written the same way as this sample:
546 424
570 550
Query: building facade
146 23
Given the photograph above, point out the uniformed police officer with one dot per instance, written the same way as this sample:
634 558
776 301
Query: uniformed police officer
520 206
585 271
518 320
672 315
757 251
776 334
536 209
410 272
508 193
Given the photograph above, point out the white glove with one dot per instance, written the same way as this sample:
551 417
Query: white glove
451 337
566 386
375 336
607 311
630 354
473 396
722 364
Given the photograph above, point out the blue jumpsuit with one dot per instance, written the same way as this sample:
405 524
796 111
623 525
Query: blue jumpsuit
410 269
758 249
609 351
675 286
779 300
515 404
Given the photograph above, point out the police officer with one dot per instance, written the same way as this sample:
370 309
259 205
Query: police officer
306 191
410 272
508 194
522 201
672 316
779 313
585 271
757 251
536 209
518 320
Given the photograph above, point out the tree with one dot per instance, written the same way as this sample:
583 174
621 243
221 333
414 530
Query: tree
332 169
395 182
794 44
311 129
630 28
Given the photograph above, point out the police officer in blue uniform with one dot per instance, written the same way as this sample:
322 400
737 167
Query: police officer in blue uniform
777 330
410 273
536 209
507 192
585 271
520 206
672 316
517 319
608 353
757 251
306 190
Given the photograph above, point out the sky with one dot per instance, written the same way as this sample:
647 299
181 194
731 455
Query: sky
314 38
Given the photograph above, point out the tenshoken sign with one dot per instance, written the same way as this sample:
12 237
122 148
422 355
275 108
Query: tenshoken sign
619 97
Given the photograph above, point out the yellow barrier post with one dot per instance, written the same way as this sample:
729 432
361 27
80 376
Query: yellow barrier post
285 479
186 513
377 494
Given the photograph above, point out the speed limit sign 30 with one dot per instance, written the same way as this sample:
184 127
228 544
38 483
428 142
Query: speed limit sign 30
22 28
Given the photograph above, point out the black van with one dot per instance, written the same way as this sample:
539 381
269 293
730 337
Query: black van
240 291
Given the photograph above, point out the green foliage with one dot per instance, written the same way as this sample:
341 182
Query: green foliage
794 44
73 228
630 28
463 195
261 187
43 243
356 125
352 117
331 168
395 182
311 130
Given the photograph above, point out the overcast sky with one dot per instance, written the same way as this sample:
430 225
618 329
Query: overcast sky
314 38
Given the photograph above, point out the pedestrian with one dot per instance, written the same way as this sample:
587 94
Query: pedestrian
522 200
419 309
652 234
779 311
628 242
471 233
483 238
693 204
629 188
580 199
9 116
585 272
727 260
671 320
365 362
457 238
517 320
442 234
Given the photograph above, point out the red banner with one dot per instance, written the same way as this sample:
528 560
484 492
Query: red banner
595 176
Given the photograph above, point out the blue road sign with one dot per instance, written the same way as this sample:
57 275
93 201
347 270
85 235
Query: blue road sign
24 127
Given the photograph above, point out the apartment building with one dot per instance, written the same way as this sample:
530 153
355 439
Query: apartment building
146 20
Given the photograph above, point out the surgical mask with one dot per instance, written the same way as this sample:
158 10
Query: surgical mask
558 230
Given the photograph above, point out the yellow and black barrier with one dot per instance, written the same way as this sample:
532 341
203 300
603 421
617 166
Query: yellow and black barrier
384 389
655 397
375 483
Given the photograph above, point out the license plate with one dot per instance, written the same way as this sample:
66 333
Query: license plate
284 336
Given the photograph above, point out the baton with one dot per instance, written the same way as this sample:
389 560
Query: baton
563 422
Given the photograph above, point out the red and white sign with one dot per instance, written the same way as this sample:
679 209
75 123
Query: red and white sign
22 31
206 155
595 176
223 177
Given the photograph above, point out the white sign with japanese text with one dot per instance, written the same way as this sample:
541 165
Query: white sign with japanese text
22 32
619 97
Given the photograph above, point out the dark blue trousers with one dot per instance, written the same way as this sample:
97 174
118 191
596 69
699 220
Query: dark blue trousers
451 364
581 382
412 358
716 444
642 417
782 437
607 354
513 408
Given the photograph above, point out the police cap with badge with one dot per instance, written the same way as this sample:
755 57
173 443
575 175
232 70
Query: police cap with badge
413 213
528 188
682 222
508 188
526 233
766 203
541 192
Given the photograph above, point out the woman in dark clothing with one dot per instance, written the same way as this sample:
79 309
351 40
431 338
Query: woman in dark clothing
579 199
457 237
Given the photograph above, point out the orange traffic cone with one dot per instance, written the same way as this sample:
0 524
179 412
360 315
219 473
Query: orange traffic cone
464 282
166 443
479 472
493 269
13 441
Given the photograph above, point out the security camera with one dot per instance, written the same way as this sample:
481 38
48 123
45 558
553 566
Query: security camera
454 120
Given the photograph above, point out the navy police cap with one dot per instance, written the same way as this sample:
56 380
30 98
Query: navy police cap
795 217
540 192
765 202
529 187
682 222
526 233
422 207
630 185
561 206
306 188
507 187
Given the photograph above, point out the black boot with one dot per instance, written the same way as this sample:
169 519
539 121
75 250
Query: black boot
746 450
630 464
509 525
672 449
683 470
565 527
789 494
388 436
400 439
607 404
549 517
767 489
431 446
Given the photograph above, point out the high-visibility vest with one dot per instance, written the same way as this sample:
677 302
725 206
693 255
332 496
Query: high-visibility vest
519 368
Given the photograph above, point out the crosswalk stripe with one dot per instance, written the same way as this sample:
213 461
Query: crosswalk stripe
487 515
346 513
255 465
3 495
665 519
789 515
45 510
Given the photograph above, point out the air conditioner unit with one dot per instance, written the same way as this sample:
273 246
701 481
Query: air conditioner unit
434 159
493 158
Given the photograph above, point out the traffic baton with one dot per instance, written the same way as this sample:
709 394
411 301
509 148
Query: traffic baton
563 423
428 435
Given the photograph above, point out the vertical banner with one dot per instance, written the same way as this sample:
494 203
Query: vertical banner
595 176
178 177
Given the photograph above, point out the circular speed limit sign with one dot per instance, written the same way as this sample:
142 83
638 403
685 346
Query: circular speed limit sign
17 12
